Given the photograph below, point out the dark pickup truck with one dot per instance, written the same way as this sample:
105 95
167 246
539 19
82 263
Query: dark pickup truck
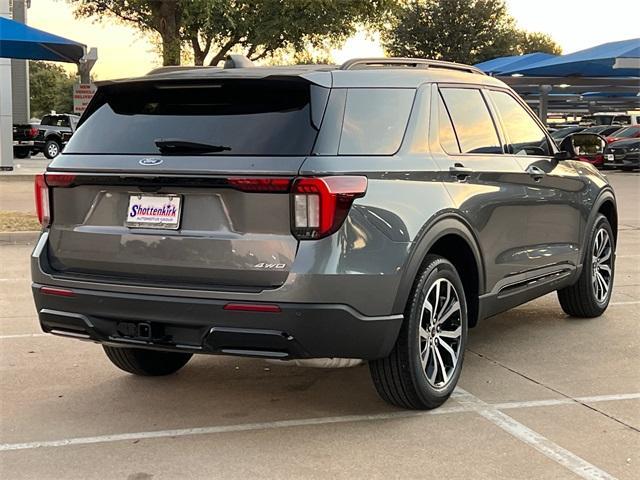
23 139
54 132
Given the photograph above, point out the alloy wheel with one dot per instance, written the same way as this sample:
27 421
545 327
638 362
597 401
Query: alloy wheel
52 149
440 333
601 264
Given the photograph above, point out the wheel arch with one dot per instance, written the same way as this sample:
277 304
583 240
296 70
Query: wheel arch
605 205
449 236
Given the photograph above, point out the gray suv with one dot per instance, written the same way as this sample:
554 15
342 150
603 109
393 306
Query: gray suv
375 211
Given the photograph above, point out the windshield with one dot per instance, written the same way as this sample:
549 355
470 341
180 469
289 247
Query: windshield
563 132
246 117
628 132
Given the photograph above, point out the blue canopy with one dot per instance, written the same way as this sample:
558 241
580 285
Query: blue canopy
17 40
500 64
614 59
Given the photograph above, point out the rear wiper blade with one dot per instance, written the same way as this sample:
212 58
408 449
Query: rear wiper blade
176 146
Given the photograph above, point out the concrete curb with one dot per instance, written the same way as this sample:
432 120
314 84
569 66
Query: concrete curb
18 238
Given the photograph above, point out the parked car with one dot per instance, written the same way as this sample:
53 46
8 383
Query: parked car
371 211
23 139
604 130
54 132
623 154
560 134
632 131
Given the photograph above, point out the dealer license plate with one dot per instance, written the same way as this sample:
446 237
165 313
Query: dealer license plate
154 211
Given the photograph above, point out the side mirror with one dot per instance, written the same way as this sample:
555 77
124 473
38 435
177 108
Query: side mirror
581 145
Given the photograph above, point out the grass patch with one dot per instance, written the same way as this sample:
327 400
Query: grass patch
18 222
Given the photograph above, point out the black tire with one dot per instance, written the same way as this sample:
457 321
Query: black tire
21 153
628 169
401 379
579 300
148 363
52 149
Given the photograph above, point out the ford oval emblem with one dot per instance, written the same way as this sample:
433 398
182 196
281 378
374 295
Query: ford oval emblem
150 161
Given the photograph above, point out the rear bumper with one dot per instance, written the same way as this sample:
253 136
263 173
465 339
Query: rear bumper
204 326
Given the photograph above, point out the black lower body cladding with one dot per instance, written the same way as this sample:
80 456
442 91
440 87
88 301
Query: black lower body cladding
205 326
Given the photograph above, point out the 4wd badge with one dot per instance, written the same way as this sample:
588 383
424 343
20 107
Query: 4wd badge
273 266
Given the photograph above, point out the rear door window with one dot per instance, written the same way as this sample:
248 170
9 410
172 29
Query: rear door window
238 117
525 136
471 120
375 120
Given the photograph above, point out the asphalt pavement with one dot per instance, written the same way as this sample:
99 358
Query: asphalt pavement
541 396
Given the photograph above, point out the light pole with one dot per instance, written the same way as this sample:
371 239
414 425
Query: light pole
6 104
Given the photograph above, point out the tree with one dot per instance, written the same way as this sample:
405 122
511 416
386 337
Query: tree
163 17
530 42
465 31
258 28
51 88
262 28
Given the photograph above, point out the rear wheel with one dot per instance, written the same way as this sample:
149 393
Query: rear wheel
590 295
52 149
146 362
21 152
425 364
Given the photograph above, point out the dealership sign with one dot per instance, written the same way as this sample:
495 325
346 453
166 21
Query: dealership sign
82 95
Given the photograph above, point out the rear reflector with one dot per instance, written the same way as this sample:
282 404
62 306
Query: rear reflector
42 200
252 307
263 184
320 205
60 292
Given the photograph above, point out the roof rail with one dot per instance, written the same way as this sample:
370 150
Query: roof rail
363 63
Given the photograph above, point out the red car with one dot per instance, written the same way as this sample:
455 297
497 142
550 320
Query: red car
632 131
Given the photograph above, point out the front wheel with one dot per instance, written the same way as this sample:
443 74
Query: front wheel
424 365
589 296
148 363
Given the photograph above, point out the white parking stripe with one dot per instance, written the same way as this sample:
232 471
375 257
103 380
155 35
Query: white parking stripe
523 433
24 335
630 302
308 421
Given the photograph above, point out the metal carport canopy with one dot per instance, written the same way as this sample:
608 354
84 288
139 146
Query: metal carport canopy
20 41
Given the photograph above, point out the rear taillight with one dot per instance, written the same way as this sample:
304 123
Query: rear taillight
320 205
33 133
42 200
43 182
260 184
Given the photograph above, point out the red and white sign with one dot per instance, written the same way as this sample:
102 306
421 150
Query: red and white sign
82 95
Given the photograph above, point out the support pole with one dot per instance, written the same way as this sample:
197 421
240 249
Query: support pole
6 104
544 101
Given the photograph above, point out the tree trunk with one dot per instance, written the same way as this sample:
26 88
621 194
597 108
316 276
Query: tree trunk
168 25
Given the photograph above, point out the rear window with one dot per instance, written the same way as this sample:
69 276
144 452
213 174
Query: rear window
375 120
242 117
55 121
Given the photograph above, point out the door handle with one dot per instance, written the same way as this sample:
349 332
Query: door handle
536 172
460 172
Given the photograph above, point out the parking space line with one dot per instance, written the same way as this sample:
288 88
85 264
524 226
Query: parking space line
552 450
454 409
630 302
24 335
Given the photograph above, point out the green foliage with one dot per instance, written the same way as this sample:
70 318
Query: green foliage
163 17
51 88
257 28
465 31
